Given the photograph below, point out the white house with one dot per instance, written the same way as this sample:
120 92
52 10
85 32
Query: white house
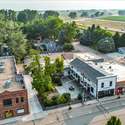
98 84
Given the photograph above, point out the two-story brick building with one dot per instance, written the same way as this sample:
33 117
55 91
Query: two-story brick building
13 94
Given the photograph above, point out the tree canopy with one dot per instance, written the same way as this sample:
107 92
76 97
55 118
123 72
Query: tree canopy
92 35
12 36
114 121
72 14
50 13
27 15
106 45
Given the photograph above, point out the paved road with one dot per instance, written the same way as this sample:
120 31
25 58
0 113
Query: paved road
83 115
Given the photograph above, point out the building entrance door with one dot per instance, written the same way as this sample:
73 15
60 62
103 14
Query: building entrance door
8 114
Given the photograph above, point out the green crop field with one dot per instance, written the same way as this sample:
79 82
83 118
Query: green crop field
114 18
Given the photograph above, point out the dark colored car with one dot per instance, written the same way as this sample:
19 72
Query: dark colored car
71 88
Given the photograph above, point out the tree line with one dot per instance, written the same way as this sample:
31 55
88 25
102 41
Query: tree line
101 39
18 30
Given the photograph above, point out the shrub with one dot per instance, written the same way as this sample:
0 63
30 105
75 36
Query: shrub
67 96
57 80
61 100
106 45
114 121
68 47
55 100
50 87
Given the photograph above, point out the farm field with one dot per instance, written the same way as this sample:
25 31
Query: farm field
107 24
115 18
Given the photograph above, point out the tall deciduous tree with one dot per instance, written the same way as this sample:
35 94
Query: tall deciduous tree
59 64
72 14
50 68
106 45
67 33
12 36
27 15
42 82
116 38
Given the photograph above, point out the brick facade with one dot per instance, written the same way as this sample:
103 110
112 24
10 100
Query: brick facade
18 107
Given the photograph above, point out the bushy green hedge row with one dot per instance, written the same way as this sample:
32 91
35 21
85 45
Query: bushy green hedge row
56 100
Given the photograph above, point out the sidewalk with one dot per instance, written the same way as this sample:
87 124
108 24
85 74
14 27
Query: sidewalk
35 109
105 99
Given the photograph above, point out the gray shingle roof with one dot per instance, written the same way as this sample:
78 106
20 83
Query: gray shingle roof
86 69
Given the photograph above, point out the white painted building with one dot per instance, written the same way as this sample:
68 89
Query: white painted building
96 82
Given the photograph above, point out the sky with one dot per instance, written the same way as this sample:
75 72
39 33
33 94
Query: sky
61 4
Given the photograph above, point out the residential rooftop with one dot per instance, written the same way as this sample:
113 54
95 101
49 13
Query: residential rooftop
87 70
8 75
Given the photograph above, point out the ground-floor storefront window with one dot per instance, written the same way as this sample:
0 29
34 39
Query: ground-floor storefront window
105 93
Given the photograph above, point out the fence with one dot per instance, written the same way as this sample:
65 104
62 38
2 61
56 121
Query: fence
75 101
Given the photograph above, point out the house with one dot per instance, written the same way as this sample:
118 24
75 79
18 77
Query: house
121 50
48 45
13 94
95 81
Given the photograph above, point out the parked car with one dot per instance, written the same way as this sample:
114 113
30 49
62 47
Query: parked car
71 88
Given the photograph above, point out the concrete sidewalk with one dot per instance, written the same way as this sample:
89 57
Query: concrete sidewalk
35 109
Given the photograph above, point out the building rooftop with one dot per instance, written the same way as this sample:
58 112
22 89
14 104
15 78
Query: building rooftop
86 69
8 76
86 56
113 68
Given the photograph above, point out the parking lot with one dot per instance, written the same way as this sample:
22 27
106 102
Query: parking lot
69 86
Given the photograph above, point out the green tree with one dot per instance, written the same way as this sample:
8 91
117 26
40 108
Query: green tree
50 13
59 64
54 24
12 36
106 45
84 14
45 28
114 121
116 38
49 67
41 81
73 15
122 40
27 15
8 15
121 12
92 35
68 47
67 33
35 29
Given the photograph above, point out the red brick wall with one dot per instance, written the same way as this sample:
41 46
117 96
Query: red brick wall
13 95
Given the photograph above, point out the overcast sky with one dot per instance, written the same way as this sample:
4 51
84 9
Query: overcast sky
61 4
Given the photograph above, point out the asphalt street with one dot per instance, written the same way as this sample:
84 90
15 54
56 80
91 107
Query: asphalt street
83 115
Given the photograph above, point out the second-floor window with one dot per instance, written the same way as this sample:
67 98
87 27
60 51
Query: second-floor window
22 99
7 102
17 100
102 85
110 83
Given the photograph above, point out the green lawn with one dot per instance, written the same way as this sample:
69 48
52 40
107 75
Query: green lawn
114 18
